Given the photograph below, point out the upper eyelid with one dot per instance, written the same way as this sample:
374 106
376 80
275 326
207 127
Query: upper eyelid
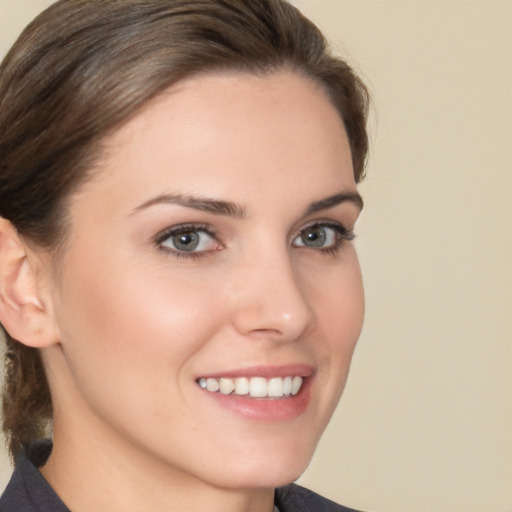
323 222
165 233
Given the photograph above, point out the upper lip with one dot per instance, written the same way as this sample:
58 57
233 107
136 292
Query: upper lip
267 371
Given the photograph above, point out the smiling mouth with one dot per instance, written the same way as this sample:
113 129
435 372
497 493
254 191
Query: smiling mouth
254 387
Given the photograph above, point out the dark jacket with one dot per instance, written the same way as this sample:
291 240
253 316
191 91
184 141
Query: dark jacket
28 491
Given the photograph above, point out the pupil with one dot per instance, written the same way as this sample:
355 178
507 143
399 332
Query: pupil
314 237
186 241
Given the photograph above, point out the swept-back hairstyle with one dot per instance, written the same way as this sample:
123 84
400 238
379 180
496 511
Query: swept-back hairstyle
81 69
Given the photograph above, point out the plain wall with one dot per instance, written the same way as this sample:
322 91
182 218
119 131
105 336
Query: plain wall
426 421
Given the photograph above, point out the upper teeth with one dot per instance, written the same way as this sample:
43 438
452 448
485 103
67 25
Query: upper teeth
256 387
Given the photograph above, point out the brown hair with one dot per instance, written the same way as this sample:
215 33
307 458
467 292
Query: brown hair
82 68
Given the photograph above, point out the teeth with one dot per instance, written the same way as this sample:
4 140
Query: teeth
241 386
226 386
212 385
296 385
256 387
287 385
275 387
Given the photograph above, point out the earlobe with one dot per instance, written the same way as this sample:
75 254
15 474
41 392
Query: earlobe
24 310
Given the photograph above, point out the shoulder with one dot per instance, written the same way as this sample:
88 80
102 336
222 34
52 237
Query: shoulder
28 491
294 498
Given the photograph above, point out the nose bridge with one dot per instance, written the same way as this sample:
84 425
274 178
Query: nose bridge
271 299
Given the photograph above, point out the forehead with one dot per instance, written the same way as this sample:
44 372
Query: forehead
217 130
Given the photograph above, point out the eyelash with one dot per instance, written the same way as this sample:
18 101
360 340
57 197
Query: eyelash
168 233
342 236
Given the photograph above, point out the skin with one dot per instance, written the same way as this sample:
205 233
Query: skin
136 324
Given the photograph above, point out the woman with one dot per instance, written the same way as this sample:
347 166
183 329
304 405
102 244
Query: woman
179 290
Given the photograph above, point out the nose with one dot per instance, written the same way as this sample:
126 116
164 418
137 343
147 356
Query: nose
271 301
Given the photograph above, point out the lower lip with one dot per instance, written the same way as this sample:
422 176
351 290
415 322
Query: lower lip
266 409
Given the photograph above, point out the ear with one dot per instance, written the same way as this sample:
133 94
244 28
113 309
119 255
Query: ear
25 304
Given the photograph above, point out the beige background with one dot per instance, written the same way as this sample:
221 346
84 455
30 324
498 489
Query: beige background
426 421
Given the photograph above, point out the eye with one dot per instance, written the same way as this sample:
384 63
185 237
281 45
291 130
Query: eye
323 236
187 240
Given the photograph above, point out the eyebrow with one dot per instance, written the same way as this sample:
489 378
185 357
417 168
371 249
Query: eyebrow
335 200
230 209
214 206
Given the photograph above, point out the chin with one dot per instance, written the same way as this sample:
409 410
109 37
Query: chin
265 470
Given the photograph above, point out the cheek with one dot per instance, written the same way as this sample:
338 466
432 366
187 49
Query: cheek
130 332
339 305
138 305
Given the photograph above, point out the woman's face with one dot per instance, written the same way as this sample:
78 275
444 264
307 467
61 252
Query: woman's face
213 248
